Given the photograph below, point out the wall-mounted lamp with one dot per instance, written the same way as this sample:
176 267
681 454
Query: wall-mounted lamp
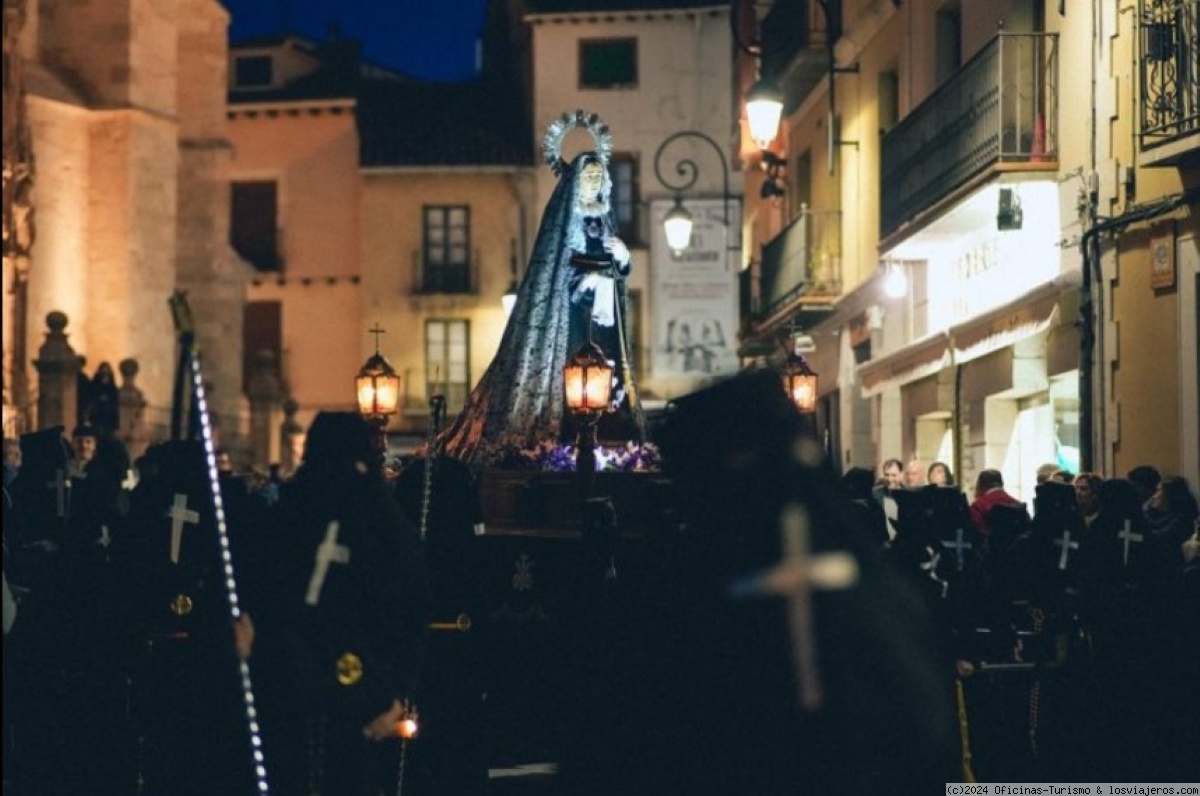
678 226
764 100
1009 215
764 109
895 281
678 222
773 164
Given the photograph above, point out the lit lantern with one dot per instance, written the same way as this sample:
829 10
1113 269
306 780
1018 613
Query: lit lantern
407 728
800 383
587 379
764 107
678 226
378 387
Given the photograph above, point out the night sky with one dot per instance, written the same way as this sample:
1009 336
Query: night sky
430 39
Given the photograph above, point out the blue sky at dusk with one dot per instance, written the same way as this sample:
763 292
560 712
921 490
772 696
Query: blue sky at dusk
430 39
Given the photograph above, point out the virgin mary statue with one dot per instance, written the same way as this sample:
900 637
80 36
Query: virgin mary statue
574 289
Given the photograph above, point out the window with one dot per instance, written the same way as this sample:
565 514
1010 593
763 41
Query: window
253 71
262 330
625 197
889 100
608 63
447 243
447 369
948 32
253 227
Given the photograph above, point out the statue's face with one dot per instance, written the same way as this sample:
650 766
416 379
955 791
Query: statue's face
591 181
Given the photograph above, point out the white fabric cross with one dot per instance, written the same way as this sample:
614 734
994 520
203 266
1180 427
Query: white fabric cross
328 552
1066 544
930 565
1127 535
180 514
794 578
60 485
958 545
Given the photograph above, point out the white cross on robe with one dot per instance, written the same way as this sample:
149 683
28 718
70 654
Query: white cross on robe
60 485
105 537
328 552
794 578
1066 544
930 565
130 481
1127 535
958 545
179 514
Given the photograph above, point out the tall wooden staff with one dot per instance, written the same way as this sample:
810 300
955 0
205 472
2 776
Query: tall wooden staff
182 315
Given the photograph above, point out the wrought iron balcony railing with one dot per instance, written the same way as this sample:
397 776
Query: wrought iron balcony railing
802 261
1001 107
439 278
1170 69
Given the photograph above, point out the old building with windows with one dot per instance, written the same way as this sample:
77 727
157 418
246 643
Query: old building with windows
1016 268
115 158
363 196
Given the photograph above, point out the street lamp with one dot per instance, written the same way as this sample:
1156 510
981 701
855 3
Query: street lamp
800 383
587 382
764 100
678 222
764 108
377 386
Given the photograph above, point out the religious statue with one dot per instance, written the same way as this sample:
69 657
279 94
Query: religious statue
573 290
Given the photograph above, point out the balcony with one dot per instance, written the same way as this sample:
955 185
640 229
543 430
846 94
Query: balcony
801 269
1169 71
999 113
444 278
796 35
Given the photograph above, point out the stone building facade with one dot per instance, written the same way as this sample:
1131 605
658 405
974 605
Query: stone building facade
125 114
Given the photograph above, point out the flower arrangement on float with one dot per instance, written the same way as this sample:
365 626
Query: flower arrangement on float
550 456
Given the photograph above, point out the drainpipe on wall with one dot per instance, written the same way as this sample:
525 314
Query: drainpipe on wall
1089 247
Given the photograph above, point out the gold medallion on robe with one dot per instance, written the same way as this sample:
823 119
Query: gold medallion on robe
349 669
181 605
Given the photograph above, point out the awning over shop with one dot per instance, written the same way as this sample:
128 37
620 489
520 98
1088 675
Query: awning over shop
1030 314
922 358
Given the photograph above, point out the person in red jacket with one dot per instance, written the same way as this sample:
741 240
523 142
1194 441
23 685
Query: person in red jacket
989 492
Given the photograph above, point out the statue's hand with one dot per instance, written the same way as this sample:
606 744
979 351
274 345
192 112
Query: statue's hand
617 248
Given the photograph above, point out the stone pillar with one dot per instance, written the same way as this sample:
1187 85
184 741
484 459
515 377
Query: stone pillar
264 392
58 368
290 434
131 428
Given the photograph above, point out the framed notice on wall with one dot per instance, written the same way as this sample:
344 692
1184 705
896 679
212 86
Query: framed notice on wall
1162 257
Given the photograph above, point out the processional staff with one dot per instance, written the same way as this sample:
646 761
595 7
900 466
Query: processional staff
189 362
